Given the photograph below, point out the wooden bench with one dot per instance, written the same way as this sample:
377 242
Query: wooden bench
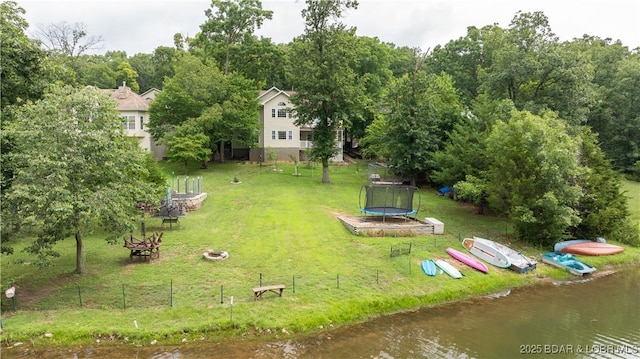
259 291
170 220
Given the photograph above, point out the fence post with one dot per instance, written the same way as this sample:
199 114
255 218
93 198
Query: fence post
294 284
377 276
338 280
260 280
171 293
124 299
79 296
221 294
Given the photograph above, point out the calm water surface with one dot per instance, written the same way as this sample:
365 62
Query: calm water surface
585 319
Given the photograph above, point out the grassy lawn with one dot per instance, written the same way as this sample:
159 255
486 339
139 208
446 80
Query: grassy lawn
278 229
632 190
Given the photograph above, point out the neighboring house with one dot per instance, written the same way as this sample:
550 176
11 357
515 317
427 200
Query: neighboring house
279 132
134 110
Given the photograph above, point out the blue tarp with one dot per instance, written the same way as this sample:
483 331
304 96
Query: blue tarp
444 190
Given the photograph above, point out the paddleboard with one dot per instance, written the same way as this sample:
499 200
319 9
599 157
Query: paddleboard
468 260
428 267
487 251
448 268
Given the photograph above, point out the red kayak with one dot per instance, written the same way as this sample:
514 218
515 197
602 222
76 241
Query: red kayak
468 260
592 249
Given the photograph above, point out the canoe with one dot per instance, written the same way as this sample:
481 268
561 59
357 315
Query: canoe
558 246
518 262
567 262
468 260
592 249
448 268
487 251
428 267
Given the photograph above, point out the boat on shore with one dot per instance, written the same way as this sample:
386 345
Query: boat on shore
448 268
592 249
468 260
499 255
487 251
560 245
567 262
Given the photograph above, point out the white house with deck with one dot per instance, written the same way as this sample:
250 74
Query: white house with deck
279 131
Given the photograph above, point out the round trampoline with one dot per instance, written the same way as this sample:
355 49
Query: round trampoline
388 200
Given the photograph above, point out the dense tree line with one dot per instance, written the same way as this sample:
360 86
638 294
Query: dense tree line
517 121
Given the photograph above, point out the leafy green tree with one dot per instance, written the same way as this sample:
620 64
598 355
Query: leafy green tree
229 23
370 63
25 73
374 144
188 144
462 59
603 207
143 66
466 151
622 141
325 83
76 171
127 75
194 87
164 60
532 175
225 106
403 59
423 108
529 67
96 70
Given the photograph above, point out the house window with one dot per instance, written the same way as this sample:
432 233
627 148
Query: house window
273 135
282 112
282 135
291 135
129 122
282 104
273 112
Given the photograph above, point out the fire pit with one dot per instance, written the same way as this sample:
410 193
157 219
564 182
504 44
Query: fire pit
212 255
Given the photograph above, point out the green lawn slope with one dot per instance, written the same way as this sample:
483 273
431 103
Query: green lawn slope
278 229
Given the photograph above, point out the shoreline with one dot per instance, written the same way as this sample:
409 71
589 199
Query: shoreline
232 334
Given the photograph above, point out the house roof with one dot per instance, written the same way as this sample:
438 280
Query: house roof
150 94
268 95
127 99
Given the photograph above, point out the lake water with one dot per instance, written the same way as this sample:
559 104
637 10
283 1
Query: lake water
579 319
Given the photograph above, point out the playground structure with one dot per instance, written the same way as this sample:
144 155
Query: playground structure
183 194
388 200
185 186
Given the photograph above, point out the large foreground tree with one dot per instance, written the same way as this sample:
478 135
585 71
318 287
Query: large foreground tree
327 92
75 171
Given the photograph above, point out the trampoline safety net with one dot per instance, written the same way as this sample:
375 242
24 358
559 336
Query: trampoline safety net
388 200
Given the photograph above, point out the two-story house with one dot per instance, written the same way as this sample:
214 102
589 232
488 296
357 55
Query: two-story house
279 131
134 110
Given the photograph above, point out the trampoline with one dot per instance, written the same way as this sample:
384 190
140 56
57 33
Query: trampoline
388 200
